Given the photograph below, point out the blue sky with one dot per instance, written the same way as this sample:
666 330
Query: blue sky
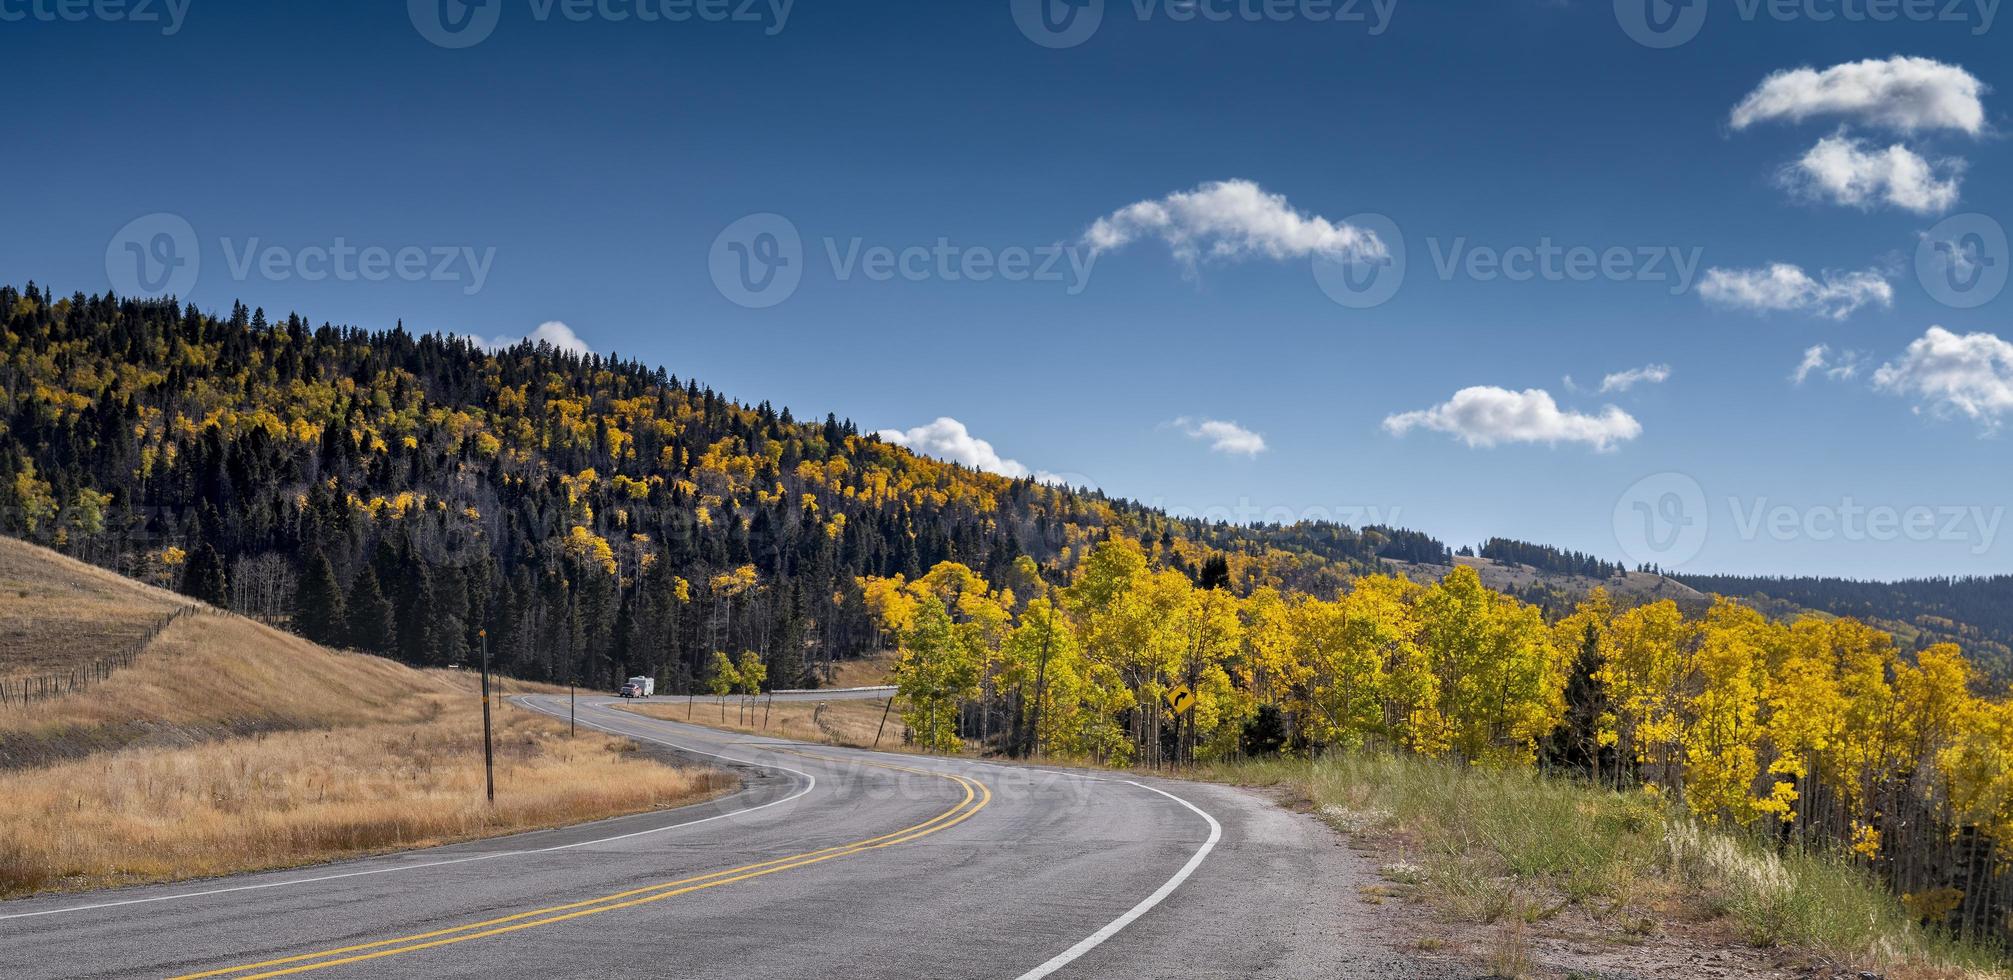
586 168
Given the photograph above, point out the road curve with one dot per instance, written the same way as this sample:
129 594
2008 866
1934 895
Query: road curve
829 862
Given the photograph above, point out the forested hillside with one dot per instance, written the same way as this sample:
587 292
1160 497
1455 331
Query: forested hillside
1975 612
401 494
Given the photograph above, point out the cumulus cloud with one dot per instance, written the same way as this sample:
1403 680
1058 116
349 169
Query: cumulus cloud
1653 374
1844 170
1786 288
1948 373
948 439
1836 366
552 332
1487 416
1224 437
1901 94
1232 219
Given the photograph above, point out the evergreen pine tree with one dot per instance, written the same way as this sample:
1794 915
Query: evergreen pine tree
318 603
203 577
373 624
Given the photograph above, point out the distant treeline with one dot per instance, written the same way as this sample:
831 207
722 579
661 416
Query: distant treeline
1548 559
1975 612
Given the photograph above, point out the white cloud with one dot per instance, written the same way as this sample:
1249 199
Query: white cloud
1231 219
1844 170
1782 287
1654 374
1224 437
552 332
1487 416
1813 360
1839 366
1971 374
1902 94
948 439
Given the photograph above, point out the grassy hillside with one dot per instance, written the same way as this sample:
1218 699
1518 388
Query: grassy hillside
229 746
1559 590
43 596
204 677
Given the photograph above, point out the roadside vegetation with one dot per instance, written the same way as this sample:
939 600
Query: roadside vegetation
302 797
1517 854
228 746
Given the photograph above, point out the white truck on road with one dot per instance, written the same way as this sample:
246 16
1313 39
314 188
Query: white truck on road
639 687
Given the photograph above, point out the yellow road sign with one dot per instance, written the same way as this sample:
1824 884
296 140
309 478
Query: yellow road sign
1180 700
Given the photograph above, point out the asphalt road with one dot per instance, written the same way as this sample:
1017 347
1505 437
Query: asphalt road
821 694
828 863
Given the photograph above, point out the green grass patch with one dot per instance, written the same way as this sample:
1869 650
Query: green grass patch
1514 847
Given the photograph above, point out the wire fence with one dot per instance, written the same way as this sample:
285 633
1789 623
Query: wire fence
24 691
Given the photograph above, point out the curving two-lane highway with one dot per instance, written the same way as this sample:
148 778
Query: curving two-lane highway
828 863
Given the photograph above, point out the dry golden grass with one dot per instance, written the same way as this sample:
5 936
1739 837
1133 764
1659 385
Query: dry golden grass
231 747
874 671
213 676
43 595
301 797
847 723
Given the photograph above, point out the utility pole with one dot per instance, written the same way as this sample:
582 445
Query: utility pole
570 731
884 722
488 743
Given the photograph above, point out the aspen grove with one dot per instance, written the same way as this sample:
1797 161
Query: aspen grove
1815 732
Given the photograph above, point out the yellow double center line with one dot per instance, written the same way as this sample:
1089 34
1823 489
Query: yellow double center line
975 799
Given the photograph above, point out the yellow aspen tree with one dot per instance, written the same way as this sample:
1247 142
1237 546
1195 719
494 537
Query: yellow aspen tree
1722 728
1871 741
1806 712
935 674
1977 767
1042 659
1213 633
1499 686
1641 679
750 671
889 603
1352 646
1268 665
1933 692
1125 613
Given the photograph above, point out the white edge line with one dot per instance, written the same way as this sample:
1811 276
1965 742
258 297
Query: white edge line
1112 928
810 783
